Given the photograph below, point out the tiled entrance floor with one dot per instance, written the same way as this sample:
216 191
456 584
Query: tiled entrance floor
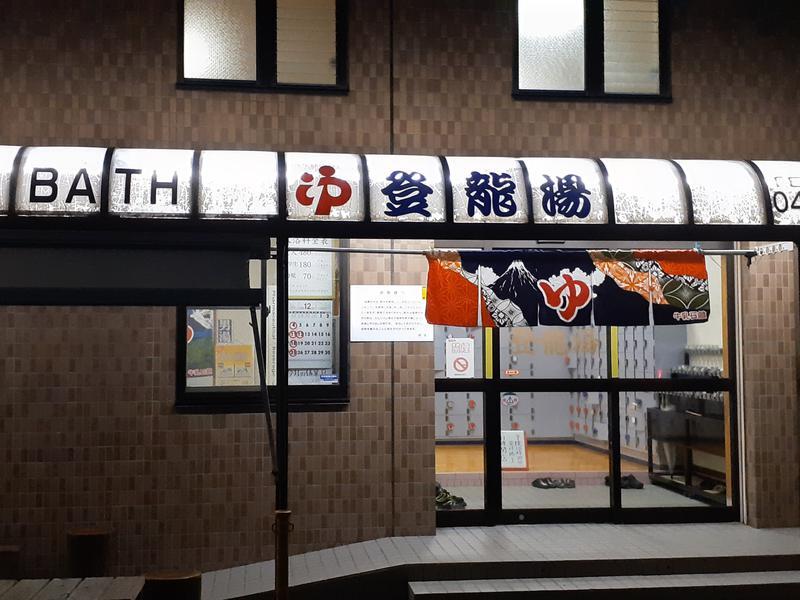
522 544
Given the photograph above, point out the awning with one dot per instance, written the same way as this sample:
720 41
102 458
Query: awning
406 196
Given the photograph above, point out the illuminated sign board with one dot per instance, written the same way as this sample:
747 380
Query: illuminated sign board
333 187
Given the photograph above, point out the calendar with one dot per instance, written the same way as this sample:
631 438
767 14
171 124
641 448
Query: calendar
310 334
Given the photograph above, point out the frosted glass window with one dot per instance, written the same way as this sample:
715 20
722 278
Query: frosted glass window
324 187
306 41
151 183
7 156
724 192
219 39
646 191
238 184
551 45
60 181
567 190
406 188
631 46
488 190
783 183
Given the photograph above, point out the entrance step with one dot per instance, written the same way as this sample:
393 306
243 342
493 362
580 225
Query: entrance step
728 586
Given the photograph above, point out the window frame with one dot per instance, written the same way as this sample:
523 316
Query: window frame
301 398
594 61
266 57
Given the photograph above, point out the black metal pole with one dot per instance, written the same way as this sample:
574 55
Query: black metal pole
262 376
614 454
282 434
282 513
493 482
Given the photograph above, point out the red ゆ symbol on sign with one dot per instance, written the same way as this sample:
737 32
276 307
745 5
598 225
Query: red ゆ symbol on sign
461 364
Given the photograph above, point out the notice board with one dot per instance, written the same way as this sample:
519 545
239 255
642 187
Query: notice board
388 313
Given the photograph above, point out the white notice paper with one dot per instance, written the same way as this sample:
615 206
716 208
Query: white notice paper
513 450
310 273
459 356
388 313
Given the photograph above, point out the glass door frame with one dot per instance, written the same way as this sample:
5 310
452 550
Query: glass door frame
491 386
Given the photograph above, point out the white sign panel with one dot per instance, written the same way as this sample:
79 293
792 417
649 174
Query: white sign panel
60 181
388 313
324 187
488 190
513 450
238 184
567 190
310 334
310 273
646 191
724 192
151 183
7 156
459 356
783 182
405 188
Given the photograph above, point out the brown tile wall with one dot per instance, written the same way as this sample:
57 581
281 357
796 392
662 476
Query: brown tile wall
769 306
87 394
88 436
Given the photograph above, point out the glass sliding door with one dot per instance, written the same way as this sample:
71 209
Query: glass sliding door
592 423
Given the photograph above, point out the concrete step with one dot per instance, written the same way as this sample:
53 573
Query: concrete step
774 585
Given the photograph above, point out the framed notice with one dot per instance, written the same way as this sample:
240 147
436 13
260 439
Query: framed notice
388 313
513 450
310 334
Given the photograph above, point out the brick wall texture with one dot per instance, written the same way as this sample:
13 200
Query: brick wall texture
769 305
86 394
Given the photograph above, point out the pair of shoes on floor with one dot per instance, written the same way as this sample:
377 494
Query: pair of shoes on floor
628 482
547 483
447 501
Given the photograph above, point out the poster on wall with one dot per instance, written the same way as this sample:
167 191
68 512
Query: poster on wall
310 334
311 273
234 365
388 313
199 347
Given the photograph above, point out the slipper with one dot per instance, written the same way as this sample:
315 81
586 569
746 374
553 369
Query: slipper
629 482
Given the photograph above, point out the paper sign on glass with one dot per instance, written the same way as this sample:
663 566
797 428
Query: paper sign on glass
459 356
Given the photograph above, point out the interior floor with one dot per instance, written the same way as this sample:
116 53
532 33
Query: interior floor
459 469
468 458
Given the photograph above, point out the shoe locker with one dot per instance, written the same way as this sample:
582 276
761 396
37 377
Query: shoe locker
459 416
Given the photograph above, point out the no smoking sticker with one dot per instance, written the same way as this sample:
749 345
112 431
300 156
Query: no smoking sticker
460 358
461 364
